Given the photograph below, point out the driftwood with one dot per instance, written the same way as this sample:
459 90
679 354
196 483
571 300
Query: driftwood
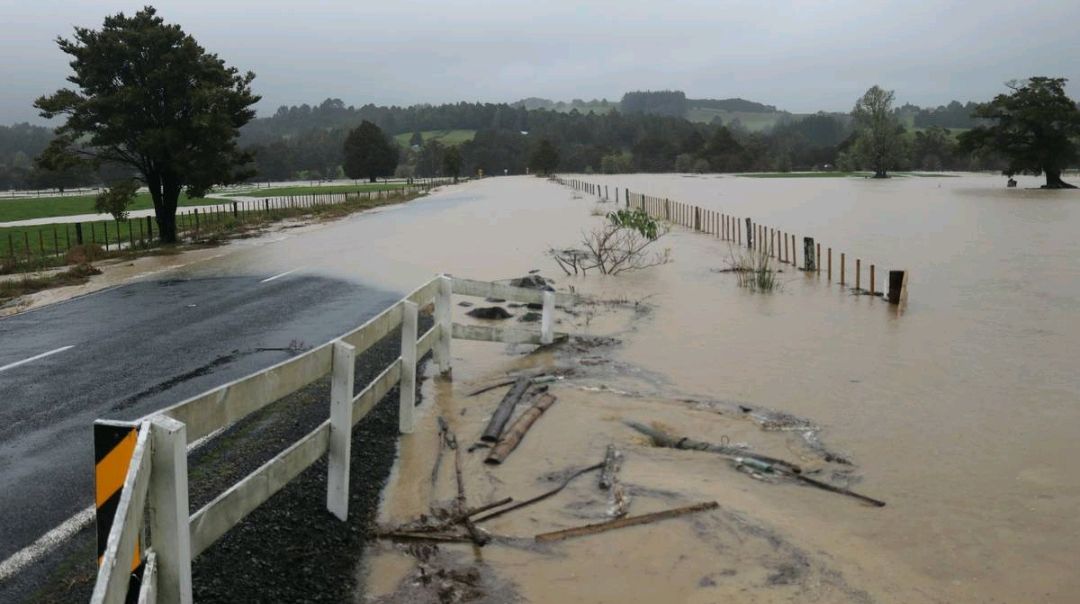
663 439
517 431
535 378
592 529
444 430
540 497
754 461
478 537
841 490
505 409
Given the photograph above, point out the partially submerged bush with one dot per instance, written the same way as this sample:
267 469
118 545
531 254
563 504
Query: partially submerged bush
621 244
81 254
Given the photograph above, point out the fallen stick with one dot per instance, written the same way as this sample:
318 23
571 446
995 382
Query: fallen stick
663 439
536 379
477 536
426 537
513 436
618 500
505 409
444 428
600 527
841 490
540 497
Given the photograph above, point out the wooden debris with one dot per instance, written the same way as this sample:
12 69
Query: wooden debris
592 529
444 430
663 439
513 436
505 409
478 537
540 497
841 490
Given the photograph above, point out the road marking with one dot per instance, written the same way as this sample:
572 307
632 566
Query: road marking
269 279
46 543
34 358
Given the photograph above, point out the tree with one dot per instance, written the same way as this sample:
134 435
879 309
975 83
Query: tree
148 97
452 162
369 153
1034 128
417 139
545 158
879 142
933 149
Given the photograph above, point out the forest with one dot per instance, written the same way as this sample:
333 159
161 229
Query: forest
645 132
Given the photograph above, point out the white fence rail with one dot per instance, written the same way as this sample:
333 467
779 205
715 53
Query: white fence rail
156 483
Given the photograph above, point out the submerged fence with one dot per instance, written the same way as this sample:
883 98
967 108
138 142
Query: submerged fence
775 243
43 246
141 470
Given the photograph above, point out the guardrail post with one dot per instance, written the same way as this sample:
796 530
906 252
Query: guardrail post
337 460
407 387
170 535
547 319
444 323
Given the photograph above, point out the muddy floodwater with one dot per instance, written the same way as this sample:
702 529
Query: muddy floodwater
962 413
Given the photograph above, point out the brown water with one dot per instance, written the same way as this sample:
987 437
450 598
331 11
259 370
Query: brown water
962 413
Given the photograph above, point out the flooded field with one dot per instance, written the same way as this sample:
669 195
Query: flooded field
961 413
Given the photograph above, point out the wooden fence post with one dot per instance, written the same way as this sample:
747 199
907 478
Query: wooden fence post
898 284
809 258
170 535
340 448
858 273
444 323
829 275
749 234
817 258
842 268
407 387
547 319
872 277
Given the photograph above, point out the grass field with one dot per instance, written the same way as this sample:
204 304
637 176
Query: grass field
320 189
48 207
446 137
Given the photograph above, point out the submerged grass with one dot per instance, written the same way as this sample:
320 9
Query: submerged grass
753 270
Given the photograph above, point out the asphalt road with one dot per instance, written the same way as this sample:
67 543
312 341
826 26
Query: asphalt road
124 352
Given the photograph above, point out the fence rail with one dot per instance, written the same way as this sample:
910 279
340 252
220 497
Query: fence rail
156 479
775 243
36 247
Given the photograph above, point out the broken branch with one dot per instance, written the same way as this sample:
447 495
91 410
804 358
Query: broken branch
505 409
540 497
600 527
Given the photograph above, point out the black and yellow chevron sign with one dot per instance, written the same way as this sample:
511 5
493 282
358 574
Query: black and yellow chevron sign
114 444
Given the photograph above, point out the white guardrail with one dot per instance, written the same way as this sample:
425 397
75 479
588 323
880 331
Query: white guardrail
155 485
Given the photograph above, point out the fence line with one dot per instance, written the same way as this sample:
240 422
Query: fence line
54 240
765 239
156 478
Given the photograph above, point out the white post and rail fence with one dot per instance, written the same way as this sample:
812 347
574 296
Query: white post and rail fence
147 540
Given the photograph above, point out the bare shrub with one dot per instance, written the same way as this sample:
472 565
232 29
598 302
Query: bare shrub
753 270
82 254
624 242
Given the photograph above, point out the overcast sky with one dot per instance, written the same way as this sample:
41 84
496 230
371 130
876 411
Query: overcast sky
798 55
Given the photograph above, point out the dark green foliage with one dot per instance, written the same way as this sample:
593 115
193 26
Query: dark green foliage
369 153
544 158
117 198
879 142
416 139
933 149
429 161
636 220
452 162
149 98
953 115
1034 128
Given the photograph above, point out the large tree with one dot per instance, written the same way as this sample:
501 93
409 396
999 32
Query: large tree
148 97
1035 128
879 142
544 158
369 153
451 162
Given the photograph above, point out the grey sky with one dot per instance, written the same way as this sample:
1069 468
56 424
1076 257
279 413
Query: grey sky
801 56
